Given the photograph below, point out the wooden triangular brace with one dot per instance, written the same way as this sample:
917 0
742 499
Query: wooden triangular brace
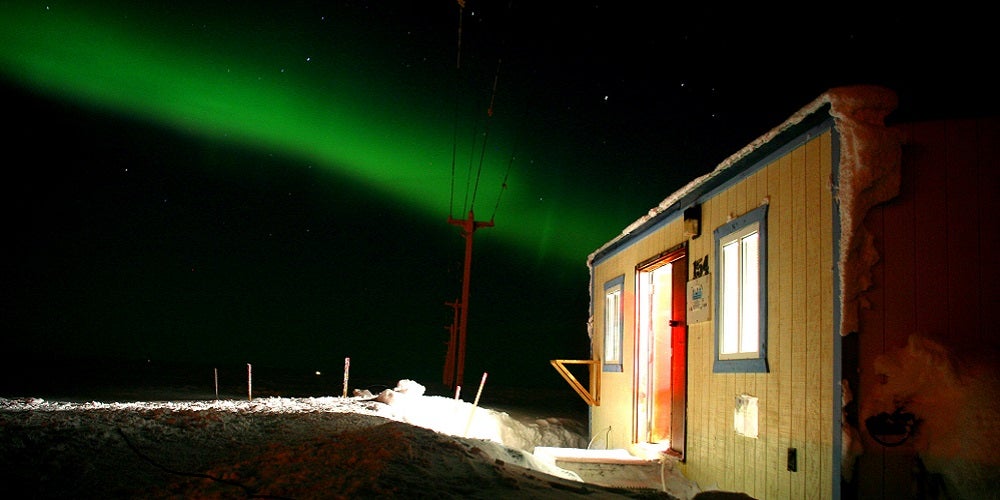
592 396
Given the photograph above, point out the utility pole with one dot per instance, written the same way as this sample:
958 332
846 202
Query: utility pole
455 362
449 360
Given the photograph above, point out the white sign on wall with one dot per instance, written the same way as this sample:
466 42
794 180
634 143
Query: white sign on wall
699 299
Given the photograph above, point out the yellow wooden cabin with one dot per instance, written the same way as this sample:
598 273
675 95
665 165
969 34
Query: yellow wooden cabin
718 319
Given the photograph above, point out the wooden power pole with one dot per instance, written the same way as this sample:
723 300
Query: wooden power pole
454 365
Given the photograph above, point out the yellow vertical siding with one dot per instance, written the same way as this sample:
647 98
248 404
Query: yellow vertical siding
717 457
815 408
772 408
798 332
758 460
795 397
829 390
611 425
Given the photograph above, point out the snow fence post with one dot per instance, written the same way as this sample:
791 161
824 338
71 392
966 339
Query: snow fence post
347 368
472 413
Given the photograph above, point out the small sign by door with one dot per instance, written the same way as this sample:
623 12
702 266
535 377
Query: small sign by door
699 299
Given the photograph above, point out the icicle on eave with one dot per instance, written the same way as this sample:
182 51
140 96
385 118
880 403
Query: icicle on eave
869 174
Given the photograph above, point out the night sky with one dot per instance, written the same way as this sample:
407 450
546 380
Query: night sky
270 182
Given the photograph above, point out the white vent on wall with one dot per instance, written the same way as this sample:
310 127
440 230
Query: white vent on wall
745 416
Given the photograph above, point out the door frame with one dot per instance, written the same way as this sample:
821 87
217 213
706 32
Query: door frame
675 405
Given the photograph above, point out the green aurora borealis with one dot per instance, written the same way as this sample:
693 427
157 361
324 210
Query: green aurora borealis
209 98
294 92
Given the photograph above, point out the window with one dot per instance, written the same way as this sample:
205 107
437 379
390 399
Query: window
741 281
614 325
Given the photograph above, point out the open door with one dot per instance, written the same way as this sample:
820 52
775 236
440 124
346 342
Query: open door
660 398
678 358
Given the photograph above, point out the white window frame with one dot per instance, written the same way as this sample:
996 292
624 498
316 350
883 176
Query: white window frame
741 298
614 324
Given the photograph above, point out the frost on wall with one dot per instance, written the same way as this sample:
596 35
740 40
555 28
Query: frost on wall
870 159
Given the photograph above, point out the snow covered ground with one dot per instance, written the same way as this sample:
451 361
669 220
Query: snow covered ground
399 443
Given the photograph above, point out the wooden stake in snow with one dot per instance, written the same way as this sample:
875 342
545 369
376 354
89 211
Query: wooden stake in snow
216 370
474 405
249 383
347 369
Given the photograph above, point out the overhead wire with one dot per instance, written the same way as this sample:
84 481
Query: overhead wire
503 186
506 174
454 142
486 134
471 186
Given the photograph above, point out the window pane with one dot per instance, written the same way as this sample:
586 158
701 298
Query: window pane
741 319
730 298
751 280
612 326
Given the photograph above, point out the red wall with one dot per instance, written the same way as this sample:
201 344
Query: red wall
938 274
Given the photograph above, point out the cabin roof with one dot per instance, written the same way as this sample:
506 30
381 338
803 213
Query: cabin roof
809 116
867 172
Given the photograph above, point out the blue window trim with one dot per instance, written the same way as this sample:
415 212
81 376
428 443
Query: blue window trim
751 365
617 366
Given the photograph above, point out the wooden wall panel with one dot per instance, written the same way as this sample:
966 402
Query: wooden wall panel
735 382
718 458
872 460
937 272
796 332
935 234
777 218
988 184
962 230
931 263
894 318
814 409
794 402
781 361
758 382
830 393
794 399
615 387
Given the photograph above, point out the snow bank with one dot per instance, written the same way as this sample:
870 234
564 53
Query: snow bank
955 398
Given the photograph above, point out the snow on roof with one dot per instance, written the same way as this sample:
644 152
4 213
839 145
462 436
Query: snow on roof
868 173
